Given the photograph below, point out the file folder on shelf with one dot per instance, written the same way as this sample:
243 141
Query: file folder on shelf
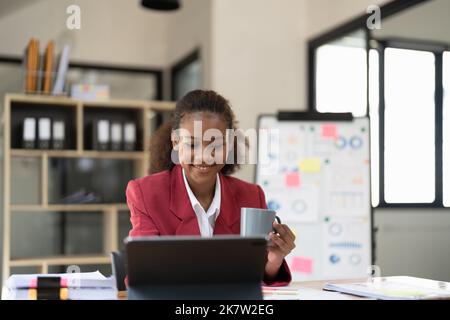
44 133
129 136
29 133
58 135
101 135
116 136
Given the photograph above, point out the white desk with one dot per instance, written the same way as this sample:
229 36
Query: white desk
308 290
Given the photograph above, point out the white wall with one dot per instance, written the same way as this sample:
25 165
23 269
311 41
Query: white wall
112 31
190 29
414 242
428 21
324 15
258 58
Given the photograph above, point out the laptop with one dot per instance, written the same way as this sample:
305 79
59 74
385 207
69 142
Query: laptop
183 267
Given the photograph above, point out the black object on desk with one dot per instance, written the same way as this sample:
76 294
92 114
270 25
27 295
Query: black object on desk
49 288
183 267
119 269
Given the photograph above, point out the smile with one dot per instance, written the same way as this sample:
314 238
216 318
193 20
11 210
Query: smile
202 167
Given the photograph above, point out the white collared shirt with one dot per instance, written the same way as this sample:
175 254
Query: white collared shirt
206 220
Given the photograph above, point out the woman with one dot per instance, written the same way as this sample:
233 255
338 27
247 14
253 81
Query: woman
195 195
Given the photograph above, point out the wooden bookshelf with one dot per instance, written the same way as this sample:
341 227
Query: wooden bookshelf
127 155
78 112
67 207
44 262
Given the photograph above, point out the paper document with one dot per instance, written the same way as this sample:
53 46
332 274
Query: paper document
81 286
395 288
74 280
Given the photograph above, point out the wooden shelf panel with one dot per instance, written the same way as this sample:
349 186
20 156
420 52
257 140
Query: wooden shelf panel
126 155
68 207
42 99
121 103
162 105
128 104
61 260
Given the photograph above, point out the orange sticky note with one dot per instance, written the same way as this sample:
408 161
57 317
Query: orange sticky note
292 180
302 265
329 131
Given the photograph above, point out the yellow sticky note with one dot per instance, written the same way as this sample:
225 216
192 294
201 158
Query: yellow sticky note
309 165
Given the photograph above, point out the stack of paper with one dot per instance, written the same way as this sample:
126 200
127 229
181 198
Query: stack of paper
395 288
304 293
81 286
279 293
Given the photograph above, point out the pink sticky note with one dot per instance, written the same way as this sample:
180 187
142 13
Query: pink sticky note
302 264
292 180
329 131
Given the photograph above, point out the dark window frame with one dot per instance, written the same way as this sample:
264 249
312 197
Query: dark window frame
356 24
180 65
437 49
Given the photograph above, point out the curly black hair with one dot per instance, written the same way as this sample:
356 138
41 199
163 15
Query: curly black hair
193 101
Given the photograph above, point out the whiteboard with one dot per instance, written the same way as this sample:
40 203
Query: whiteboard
316 175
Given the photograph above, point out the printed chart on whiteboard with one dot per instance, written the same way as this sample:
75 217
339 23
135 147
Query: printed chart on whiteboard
316 175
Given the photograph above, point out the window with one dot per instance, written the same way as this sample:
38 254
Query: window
446 128
406 94
341 76
186 75
409 128
408 119
374 94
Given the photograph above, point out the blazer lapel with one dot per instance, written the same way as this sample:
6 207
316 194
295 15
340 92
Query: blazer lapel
180 205
229 216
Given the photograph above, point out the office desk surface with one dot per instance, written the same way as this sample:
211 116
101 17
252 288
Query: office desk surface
312 290
308 290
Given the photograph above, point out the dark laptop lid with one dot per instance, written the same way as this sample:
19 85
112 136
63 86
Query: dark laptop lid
182 260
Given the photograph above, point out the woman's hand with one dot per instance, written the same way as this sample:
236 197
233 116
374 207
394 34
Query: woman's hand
283 242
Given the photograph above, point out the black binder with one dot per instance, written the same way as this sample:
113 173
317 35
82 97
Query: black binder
116 136
101 135
58 134
44 133
129 135
29 133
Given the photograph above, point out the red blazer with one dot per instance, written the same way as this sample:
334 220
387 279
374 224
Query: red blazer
159 205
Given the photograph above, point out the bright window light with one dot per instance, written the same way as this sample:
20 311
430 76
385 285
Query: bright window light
409 126
446 128
374 76
341 79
